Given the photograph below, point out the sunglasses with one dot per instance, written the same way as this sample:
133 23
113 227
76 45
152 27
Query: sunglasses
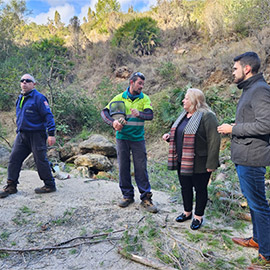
141 75
26 80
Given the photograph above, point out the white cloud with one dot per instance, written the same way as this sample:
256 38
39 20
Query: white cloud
66 12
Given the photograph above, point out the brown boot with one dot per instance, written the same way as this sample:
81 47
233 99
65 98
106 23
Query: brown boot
148 204
45 189
125 202
10 188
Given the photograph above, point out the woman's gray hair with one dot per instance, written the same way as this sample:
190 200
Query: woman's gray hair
197 100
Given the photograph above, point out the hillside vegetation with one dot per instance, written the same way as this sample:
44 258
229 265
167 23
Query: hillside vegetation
176 44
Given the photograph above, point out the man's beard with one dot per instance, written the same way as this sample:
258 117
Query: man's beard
238 80
137 92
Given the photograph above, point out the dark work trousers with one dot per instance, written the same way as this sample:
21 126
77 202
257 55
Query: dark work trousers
199 182
138 150
25 143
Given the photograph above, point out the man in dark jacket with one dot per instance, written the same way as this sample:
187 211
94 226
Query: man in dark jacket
250 149
34 120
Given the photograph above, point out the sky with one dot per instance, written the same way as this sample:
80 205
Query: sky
44 9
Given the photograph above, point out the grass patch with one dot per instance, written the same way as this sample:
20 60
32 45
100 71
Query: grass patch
67 215
162 179
26 210
4 235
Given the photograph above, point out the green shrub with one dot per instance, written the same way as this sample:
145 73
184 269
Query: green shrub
167 70
48 60
73 110
140 36
223 106
11 69
167 107
105 91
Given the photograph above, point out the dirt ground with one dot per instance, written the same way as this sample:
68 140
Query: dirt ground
79 207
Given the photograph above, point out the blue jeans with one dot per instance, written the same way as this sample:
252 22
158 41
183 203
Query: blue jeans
138 150
252 184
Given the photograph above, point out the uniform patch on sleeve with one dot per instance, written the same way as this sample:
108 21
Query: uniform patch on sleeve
46 104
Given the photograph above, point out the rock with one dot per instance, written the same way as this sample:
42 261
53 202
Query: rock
180 51
4 156
83 171
123 72
98 144
94 162
221 177
62 176
103 175
72 159
223 166
68 150
53 154
29 163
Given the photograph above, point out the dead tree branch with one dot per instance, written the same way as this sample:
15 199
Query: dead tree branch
144 261
62 244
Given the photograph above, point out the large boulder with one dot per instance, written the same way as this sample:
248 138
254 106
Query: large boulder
98 144
68 150
94 162
4 155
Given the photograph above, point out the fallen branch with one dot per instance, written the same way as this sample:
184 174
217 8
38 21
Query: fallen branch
140 219
185 244
171 256
204 255
93 180
89 237
61 245
144 261
55 247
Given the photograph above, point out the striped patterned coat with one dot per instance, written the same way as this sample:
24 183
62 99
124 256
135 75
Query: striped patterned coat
206 147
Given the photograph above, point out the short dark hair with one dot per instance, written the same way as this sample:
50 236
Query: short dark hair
134 77
249 58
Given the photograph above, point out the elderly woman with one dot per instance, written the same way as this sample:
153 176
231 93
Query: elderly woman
193 152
